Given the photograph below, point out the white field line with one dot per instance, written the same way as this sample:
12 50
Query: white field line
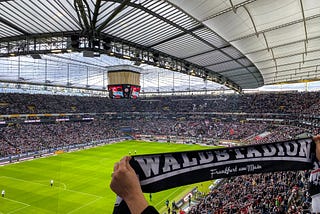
63 188
87 204
19 202
178 189
18 209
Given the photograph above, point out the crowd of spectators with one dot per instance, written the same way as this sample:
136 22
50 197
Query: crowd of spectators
269 193
31 137
286 102
23 138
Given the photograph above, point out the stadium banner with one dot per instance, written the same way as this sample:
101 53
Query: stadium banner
163 171
61 151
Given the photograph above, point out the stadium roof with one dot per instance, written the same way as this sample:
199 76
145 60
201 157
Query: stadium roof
241 44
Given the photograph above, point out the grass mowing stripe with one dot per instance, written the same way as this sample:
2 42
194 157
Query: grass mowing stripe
18 209
19 202
65 189
81 180
174 192
85 205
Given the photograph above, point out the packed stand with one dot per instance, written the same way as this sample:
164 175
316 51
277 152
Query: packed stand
283 103
276 193
25 138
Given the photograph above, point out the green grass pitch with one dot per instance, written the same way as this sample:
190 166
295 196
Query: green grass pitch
81 180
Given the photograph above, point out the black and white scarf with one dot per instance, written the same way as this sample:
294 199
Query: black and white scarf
163 171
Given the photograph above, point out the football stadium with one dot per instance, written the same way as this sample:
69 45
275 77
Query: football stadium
215 103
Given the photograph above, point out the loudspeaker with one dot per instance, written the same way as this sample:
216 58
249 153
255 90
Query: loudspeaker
35 56
107 45
75 41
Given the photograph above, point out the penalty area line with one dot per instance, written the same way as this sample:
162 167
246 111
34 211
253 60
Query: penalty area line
85 205
19 202
62 188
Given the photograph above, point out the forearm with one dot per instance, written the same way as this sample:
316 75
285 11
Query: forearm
318 151
136 203
317 141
